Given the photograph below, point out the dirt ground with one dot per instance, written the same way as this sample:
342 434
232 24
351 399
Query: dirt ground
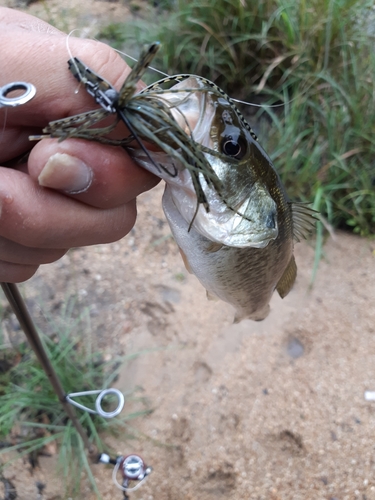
273 410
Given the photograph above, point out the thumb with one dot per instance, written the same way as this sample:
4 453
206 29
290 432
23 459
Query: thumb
99 175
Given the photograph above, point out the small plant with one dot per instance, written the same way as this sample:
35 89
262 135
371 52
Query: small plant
32 418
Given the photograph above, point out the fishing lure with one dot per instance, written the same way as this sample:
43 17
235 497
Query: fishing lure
147 118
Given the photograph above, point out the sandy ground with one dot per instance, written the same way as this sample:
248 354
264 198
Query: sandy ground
266 411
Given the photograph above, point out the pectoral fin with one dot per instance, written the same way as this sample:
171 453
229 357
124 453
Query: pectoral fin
304 220
288 278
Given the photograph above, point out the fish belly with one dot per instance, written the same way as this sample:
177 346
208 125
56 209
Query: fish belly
243 277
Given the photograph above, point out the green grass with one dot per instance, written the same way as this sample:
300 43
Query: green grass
31 415
315 58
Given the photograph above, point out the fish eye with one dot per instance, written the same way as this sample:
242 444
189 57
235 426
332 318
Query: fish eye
233 148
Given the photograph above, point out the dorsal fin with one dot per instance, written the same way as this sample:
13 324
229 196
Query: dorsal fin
304 218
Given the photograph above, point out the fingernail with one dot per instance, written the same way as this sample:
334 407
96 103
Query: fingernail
66 173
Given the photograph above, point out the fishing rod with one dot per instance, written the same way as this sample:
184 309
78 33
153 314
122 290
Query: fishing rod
131 467
19 308
14 297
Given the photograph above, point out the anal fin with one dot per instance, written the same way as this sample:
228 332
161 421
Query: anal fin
186 262
288 278
211 296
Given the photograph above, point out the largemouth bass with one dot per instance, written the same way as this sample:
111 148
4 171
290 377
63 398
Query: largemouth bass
241 250
224 201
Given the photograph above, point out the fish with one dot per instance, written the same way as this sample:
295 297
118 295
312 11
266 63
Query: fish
227 208
241 249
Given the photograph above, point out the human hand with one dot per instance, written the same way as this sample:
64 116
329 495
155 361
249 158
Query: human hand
69 194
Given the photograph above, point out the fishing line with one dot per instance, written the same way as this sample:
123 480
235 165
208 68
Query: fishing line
233 99
239 101
302 93
71 58
259 105
136 60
